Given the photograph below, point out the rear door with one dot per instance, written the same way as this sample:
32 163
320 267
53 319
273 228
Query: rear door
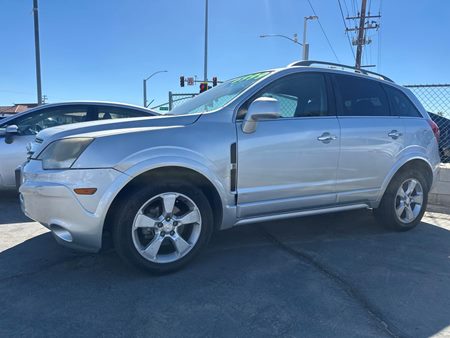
371 138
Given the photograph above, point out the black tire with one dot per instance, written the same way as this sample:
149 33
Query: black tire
386 215
129 207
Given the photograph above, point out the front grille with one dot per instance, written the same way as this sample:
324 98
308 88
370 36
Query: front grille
38 140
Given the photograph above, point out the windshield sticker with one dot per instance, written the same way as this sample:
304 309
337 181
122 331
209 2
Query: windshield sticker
255 76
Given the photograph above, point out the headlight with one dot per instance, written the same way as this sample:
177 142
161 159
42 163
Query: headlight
62 154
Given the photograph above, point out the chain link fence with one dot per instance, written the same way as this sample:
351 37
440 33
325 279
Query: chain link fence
436 100
175 99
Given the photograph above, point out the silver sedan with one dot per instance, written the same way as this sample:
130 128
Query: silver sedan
18 130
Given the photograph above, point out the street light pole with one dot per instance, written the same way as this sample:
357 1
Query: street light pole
294 40
37 52
145 92
144 85
305 44
205 66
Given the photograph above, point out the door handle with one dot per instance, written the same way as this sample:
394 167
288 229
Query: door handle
326 138
394 134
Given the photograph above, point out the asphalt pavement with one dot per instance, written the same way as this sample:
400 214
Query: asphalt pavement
334 275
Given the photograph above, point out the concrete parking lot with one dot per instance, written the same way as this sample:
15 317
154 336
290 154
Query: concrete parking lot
334 275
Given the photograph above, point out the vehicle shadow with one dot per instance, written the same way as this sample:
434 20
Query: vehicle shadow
9 208
337 274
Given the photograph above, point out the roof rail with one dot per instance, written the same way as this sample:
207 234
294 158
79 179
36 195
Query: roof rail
362 71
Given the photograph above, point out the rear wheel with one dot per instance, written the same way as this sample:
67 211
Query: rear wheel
404 202
162 227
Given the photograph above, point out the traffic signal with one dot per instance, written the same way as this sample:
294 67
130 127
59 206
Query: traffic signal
181 81
214 81
203 87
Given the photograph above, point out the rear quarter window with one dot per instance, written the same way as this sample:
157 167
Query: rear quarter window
401 105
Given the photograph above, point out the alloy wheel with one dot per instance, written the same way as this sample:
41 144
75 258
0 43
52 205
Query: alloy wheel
166 227
409 200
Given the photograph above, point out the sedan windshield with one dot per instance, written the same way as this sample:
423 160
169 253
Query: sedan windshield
219 96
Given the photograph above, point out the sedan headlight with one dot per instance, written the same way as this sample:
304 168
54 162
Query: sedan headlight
62 154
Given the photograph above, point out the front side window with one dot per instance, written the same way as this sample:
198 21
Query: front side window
33 123
360 97
400 104
299 95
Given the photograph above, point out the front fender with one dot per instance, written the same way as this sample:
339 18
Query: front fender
139 163
158 157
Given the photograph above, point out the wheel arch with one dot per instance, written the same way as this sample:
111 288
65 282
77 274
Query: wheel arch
419 163
173 171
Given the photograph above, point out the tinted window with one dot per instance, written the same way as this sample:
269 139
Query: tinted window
400 103
31 124
107 113
299 95
360 97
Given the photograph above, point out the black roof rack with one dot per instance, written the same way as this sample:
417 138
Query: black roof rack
362 71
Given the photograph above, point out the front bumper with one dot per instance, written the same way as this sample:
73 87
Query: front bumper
76 221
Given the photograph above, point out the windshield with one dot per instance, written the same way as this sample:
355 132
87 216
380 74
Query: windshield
219 96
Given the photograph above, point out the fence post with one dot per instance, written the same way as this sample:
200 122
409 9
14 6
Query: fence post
170 101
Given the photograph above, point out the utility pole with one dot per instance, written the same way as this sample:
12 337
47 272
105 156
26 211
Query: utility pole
361 34
205 68
37 52
361 40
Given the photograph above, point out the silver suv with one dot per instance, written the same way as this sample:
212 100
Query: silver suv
281 143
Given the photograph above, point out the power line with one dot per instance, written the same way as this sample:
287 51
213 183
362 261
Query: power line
323 31
355 8
346 8
346 31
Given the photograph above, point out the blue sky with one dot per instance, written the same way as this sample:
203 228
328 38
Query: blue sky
102 49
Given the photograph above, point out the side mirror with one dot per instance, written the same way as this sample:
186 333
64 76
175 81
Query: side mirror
10 131
263 108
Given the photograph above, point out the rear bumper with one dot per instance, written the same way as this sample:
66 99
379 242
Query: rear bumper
75 221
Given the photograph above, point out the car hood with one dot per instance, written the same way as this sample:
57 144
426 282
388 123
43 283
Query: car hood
49 135
136 122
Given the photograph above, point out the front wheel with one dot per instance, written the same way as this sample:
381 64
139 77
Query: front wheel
162 227
404 202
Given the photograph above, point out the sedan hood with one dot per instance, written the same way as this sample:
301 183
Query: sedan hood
49 135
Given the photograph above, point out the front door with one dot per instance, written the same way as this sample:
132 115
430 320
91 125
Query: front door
14 154
290 163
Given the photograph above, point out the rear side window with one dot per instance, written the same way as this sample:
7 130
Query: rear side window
360 97
108 113
401 105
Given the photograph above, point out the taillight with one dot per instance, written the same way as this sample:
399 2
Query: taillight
435 129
